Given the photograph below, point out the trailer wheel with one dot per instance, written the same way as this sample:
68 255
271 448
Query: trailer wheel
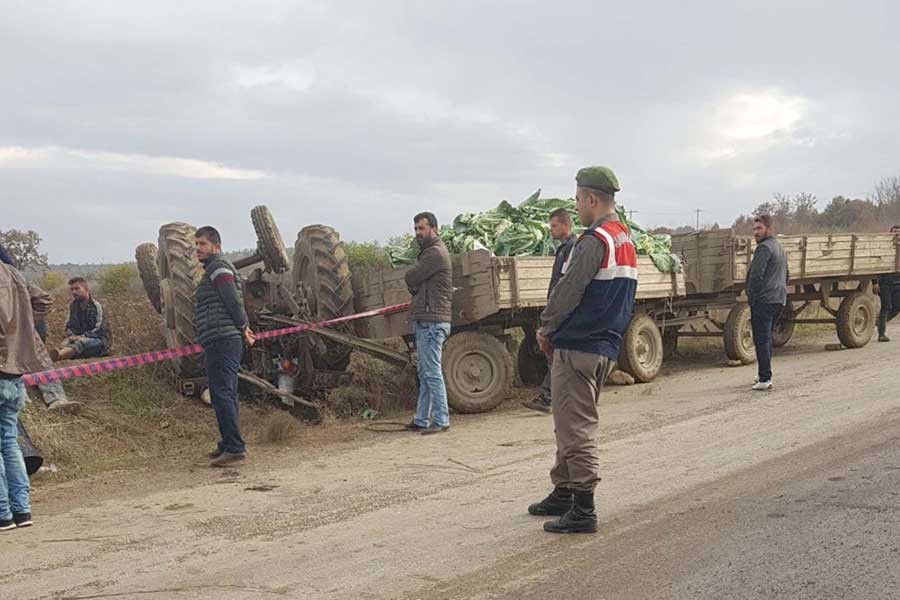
641 355
784 328
478 372
531 362
670 343
739 335
856 320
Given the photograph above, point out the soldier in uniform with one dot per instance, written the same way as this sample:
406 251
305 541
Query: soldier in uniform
581 331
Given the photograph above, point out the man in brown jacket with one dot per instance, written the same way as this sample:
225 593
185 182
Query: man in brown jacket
19 354
430 282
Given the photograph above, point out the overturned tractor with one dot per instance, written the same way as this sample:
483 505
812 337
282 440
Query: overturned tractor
279 290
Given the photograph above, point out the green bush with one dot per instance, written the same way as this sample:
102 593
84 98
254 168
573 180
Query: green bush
364 256
116 280
51 281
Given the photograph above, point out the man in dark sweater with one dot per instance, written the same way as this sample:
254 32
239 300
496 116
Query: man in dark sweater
430 282
222 330
767 294
87 326
561 232
888 289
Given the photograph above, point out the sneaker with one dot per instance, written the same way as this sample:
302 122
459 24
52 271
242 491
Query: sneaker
883 338
7 524
538 404
22 519
65 407
227 458
762 386
435 429
214 454
413 426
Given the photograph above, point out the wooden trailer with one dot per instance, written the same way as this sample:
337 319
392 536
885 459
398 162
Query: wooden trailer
824 269
493 295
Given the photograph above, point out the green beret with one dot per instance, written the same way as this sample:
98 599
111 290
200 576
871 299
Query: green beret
599 178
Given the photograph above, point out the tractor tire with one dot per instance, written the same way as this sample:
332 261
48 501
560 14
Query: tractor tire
739 335
856 320
147 258
784 328
641 355
184 272
269 244
321 273
478 372
531 364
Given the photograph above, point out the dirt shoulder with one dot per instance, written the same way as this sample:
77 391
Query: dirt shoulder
399 515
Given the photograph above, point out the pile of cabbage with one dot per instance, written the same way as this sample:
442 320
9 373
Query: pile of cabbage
524 230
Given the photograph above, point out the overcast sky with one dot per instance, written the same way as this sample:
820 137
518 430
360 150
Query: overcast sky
118 116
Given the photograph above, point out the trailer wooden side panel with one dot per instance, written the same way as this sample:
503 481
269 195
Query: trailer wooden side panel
474 295
523 281
719 260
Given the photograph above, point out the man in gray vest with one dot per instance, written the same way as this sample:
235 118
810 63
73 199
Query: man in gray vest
767 294
561 232
222 330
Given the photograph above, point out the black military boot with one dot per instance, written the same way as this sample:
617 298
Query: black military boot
581 518
558 503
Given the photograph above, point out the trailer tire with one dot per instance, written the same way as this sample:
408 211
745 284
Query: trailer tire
670 343
641 355
739 335
530 361
478 372
784 328
856 320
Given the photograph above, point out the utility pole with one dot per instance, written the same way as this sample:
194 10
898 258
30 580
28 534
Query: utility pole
698 211
631 214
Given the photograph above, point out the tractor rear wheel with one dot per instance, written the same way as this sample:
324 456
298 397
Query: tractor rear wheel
321 274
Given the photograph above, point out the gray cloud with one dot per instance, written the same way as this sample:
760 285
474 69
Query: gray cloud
116 118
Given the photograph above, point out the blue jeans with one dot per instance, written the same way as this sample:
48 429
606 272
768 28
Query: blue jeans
222 359
432 404
13 477
86 347
763 318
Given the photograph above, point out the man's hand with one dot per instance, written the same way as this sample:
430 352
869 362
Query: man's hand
544 344
249 338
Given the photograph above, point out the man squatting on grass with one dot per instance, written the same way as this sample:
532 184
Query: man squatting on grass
222 330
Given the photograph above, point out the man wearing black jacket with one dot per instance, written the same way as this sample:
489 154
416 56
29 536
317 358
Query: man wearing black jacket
560 231
766 294
888 289
87 327
222 330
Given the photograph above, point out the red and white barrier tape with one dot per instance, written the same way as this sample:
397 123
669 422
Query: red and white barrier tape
136 360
